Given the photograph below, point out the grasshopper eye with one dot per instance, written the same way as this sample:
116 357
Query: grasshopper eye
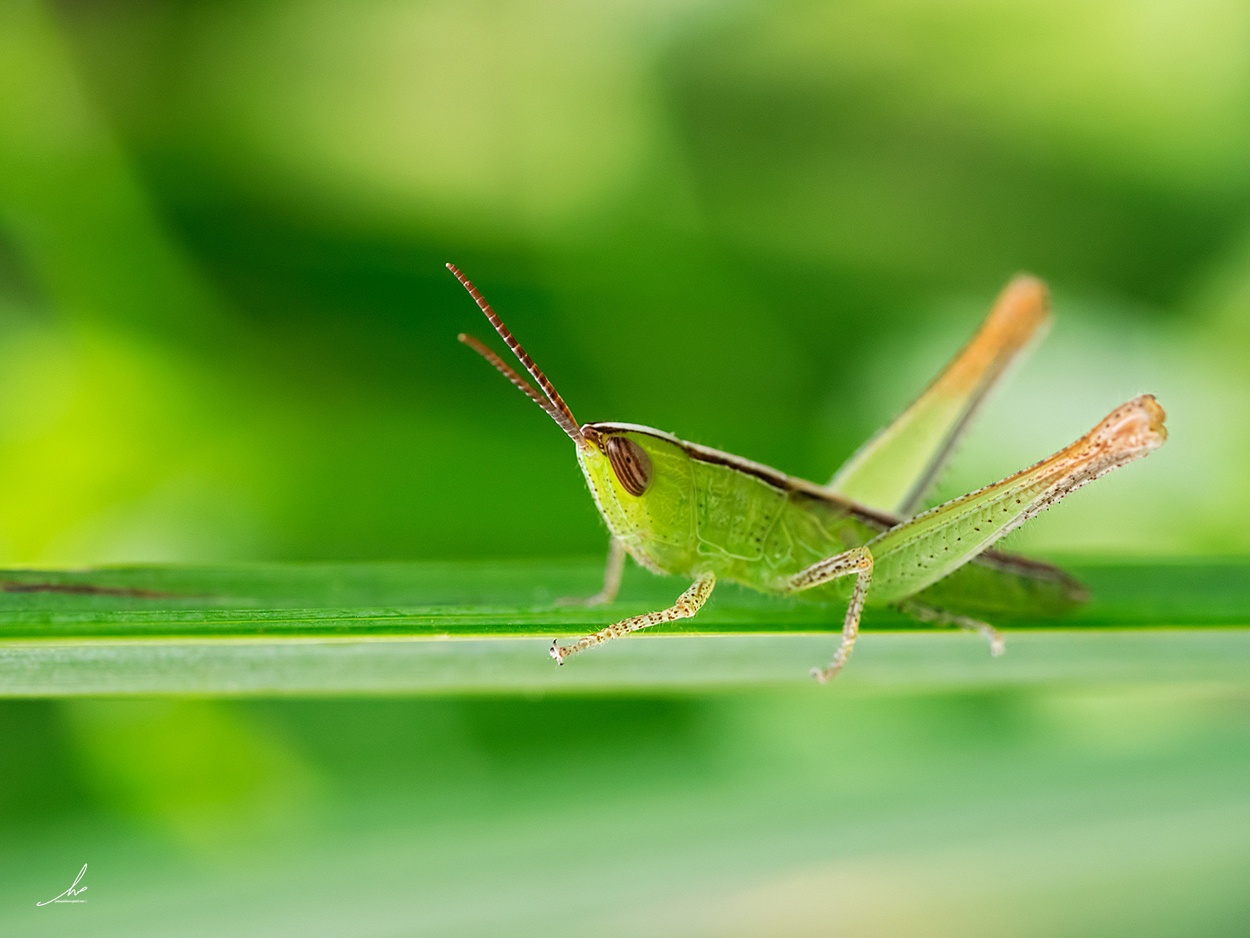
630 462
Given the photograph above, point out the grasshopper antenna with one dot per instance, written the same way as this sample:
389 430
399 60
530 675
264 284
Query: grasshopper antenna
506 370
550 399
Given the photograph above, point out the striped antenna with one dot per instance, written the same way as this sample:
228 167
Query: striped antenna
550 399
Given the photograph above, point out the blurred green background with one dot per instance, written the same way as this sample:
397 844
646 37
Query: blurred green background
226 333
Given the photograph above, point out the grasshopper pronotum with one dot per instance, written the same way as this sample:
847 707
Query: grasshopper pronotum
684 509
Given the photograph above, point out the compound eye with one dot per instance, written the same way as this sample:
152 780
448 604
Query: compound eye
630 462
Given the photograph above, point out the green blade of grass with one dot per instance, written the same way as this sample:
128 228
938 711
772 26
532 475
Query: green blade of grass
485 627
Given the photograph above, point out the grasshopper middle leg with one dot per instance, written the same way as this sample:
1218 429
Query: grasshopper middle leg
690 602
857 561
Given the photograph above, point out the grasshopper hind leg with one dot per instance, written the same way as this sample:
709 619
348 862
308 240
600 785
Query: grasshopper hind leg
896 469
940 617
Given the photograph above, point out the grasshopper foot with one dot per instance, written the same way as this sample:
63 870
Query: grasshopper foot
825 675
940 617
588 602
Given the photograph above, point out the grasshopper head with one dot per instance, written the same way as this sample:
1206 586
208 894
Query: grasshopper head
641 481
640 477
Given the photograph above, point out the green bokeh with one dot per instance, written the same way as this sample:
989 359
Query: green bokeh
226 334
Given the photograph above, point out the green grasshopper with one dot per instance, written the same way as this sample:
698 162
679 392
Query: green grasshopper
684 509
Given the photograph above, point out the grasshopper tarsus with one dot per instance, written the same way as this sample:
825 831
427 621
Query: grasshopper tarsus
825 675
588 602
998 645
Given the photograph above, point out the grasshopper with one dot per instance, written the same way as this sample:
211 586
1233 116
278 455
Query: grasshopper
683 509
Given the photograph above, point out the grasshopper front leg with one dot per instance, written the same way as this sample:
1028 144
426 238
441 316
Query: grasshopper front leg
690 602
858 561
613 570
